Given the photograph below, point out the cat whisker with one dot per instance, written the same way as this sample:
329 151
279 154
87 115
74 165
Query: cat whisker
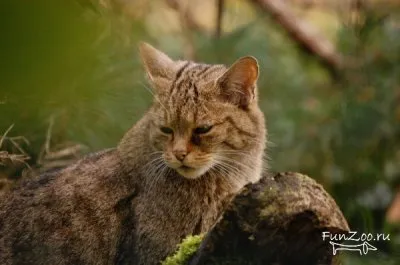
160 172
265 158
234 162
240 175
224 175
234 180
150 162
231 172
155 174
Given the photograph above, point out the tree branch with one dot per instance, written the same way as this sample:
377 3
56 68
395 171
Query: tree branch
220 11
302 32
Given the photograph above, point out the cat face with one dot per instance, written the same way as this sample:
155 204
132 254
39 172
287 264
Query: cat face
204 118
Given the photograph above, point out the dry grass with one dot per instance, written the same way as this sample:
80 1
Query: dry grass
11 161
60 155
14 158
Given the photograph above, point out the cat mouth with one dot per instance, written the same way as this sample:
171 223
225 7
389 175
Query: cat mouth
189 172
183 167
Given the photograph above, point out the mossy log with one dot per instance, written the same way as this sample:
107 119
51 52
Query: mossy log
278 221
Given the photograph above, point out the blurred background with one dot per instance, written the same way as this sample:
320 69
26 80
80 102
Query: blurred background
71 83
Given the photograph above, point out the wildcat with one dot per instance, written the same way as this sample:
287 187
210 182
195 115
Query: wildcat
171 175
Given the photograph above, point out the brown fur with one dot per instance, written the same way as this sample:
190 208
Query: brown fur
133 204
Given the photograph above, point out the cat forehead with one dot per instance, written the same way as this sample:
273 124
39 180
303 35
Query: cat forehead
197 72
188 117
192 84
187 108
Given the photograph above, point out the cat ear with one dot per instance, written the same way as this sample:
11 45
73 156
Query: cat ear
156 63
238 84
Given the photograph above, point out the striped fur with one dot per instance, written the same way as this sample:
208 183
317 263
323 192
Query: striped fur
226 158
171 175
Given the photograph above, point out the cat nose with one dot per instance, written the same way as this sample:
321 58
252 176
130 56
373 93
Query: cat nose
180 154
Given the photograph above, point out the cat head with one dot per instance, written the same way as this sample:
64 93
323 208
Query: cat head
205 118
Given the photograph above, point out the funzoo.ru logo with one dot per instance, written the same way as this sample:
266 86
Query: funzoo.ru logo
363 247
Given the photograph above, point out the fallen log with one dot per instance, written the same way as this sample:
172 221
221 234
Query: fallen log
278 221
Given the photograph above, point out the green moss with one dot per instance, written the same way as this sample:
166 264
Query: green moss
185 250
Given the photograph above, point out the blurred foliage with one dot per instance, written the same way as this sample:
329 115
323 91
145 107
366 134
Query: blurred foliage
75 63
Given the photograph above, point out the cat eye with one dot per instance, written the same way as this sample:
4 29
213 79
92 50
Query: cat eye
166 130
202 129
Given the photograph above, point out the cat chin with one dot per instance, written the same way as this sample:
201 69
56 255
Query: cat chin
191 173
